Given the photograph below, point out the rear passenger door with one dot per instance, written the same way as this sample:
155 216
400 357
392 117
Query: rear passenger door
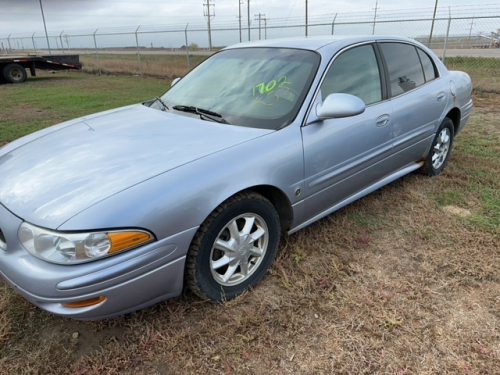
418 99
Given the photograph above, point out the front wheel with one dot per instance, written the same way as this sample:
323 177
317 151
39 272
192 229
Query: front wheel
440 149
233 248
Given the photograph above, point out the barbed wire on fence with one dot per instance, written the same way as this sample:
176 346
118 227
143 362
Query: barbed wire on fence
455 11
449 33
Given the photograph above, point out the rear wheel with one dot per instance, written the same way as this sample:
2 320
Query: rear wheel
440 149
14 73
233 248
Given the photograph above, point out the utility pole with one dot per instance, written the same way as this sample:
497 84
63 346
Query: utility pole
259 18
206 13
45 26
265 26
375 17
240 2
432 24
307 18
248 20
471 24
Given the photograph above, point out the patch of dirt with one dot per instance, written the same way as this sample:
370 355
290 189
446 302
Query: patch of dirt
82 337
463 212
23 111
488 104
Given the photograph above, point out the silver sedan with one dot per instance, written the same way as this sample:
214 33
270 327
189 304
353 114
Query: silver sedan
113 212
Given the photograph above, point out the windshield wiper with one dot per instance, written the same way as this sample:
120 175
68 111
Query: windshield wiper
165 107
203 113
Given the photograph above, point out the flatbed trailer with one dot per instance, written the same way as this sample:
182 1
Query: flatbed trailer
13 69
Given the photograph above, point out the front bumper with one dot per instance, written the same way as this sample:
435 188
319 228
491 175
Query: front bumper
129 281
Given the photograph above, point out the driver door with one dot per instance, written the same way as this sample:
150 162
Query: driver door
344 155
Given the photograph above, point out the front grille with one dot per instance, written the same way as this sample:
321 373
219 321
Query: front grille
3 242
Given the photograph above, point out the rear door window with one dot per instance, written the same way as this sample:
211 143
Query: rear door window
405 70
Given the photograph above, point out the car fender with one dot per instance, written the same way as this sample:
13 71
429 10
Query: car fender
184 197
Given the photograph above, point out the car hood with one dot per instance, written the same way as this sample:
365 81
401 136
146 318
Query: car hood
53 177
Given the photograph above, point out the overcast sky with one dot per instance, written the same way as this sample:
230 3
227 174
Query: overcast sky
23 17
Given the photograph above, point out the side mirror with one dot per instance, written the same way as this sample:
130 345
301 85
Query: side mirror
175 81
340 105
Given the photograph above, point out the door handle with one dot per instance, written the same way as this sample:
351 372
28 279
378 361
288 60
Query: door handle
441 96
383 120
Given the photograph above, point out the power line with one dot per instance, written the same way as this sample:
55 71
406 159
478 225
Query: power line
129 2
386 13
291 10
226 23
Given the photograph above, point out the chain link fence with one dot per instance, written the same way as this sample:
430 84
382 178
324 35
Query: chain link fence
471 44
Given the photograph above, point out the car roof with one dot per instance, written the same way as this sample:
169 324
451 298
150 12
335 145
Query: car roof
315 42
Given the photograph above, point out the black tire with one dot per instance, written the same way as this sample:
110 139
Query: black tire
14 73
440 150
204 276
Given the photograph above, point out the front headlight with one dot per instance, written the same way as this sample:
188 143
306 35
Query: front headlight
71 248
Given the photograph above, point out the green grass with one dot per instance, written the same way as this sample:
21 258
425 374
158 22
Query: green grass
450 197
489 217
363 219
475 179
472 63
483 147
53 98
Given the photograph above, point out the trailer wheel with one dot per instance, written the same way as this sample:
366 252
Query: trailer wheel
14 73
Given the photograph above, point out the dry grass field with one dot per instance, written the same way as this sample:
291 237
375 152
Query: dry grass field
169 66
404 281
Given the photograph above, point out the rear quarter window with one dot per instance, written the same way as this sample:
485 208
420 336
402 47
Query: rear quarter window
427 65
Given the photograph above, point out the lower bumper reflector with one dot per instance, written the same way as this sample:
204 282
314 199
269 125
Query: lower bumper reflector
85 303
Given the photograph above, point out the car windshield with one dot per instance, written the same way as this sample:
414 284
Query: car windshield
254 87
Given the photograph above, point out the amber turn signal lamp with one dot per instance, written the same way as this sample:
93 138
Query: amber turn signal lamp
86 303
125 240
